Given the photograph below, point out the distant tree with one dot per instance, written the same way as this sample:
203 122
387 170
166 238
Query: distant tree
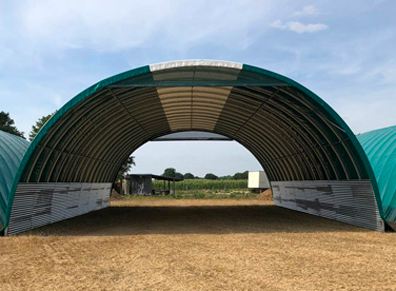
211 176
39 124
241 176
169 172
7 124
228 177
188 176
179 175
126 167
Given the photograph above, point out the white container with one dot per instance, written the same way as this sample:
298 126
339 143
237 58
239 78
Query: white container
258 180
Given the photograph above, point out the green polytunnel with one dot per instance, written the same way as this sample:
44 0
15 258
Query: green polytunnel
380 147
313 160
12 149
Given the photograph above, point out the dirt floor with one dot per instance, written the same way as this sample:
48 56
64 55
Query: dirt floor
150 244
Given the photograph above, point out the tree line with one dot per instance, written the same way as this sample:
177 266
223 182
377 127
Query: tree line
171 172
7 124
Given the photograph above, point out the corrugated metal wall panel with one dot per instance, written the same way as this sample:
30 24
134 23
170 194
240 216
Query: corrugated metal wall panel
38 204
352 202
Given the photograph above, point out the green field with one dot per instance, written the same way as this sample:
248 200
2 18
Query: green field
204 189
203 184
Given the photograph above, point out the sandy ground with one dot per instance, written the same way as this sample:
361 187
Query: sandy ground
198 245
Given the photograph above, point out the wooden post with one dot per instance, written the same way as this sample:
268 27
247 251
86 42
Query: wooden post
174 187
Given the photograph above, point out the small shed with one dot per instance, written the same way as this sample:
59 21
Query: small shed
258 180
142 184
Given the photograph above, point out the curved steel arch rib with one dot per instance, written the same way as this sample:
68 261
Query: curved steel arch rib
312 158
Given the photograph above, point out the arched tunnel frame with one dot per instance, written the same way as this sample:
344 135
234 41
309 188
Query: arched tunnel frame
317 165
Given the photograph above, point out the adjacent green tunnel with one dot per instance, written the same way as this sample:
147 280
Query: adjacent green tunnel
12 149
380 147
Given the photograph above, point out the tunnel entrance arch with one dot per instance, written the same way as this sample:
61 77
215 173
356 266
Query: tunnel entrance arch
312 158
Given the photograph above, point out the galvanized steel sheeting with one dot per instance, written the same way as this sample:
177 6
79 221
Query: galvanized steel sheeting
38 204
352 202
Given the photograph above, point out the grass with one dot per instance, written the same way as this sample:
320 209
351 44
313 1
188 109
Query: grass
206 189
201 194
210 194
198 244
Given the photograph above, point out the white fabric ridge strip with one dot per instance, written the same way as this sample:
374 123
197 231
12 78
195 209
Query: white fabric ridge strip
191 63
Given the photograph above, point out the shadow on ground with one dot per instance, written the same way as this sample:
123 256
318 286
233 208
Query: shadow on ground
138 220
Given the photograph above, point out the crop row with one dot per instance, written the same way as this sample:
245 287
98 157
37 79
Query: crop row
203 184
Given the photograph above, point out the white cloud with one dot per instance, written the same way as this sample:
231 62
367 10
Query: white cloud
65 46
113 26
101 25
299 27
306 11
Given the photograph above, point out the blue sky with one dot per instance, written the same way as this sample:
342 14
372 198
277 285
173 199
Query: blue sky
344 51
